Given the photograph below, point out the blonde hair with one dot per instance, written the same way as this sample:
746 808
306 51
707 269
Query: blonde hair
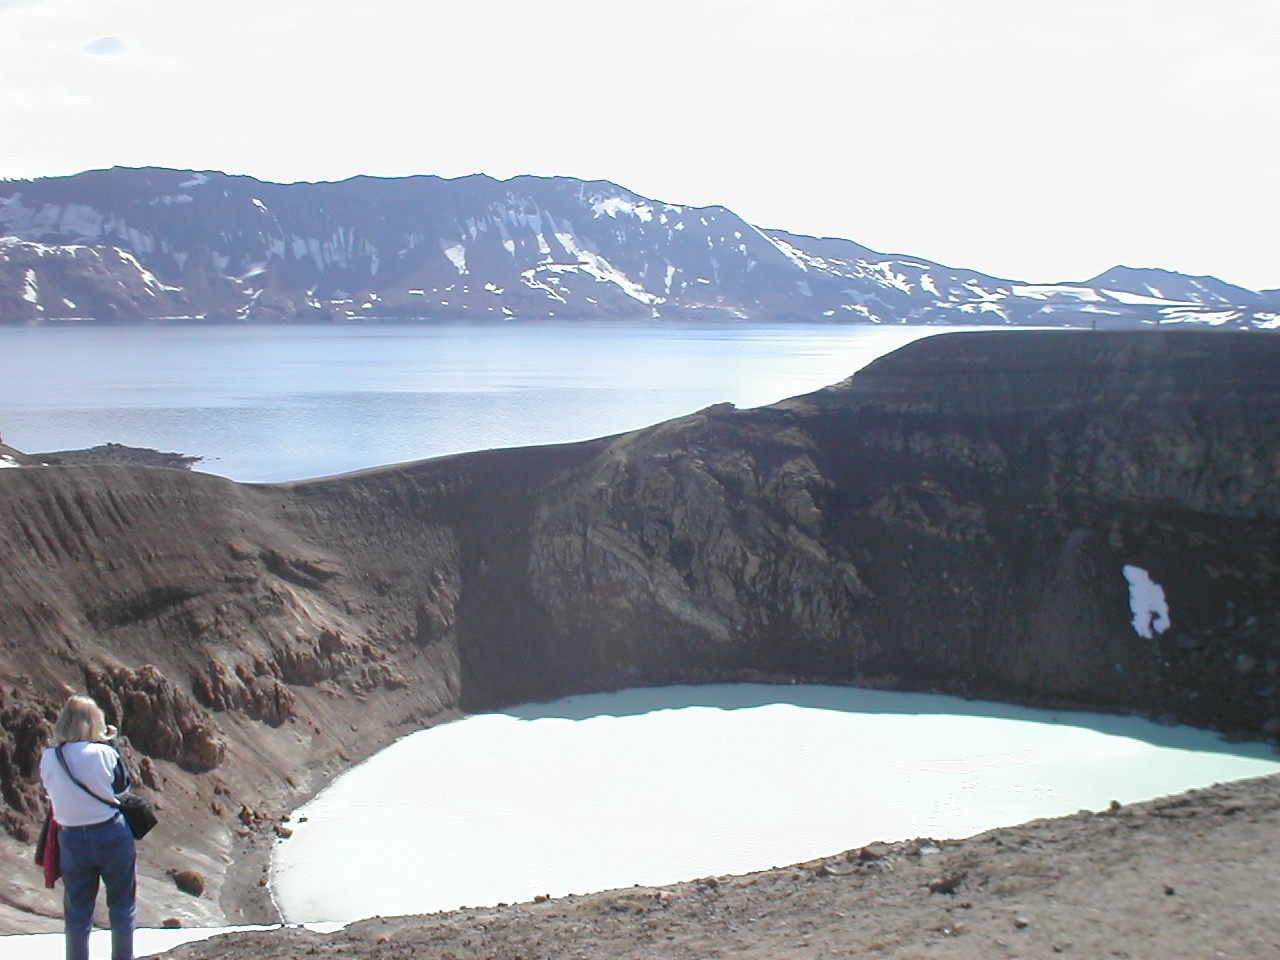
81 719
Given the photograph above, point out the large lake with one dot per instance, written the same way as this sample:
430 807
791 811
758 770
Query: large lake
276 402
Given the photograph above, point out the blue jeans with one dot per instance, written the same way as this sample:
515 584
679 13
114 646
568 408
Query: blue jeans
105 852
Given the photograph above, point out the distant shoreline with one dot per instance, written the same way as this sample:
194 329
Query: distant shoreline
116 453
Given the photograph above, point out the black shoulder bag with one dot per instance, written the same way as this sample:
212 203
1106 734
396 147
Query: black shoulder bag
138 811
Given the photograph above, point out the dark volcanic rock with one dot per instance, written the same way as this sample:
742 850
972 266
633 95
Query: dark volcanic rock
958 517
117 453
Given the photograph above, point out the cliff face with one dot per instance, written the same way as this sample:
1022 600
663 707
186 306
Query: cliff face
959 517
1051 518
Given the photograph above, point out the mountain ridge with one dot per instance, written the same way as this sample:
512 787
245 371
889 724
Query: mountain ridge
1188 287
233 247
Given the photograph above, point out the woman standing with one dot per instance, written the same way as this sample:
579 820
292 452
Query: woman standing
94 841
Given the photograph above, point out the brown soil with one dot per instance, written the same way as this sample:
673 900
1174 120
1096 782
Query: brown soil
1181 878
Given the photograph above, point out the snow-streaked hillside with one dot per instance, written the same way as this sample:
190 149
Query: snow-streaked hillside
1167 285
212 245
40 280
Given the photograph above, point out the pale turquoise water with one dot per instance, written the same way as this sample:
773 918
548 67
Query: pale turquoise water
657 786
286 402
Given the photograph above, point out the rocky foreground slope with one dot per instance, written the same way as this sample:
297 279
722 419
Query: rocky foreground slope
980 514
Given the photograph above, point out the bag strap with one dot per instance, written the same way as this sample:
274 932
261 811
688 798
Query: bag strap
63 760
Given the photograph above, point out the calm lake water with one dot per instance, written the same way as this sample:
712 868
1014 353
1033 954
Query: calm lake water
657 786
263 403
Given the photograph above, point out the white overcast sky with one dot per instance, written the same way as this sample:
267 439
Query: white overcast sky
1028 139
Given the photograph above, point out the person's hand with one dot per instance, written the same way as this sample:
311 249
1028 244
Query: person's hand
112 732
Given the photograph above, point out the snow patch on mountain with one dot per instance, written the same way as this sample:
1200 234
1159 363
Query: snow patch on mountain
1056 291
1147 603
1137 299
884 273
1212 318
543 283
979 292
31 289
794 254
508 243
457 255
519 216
74 220
600 268
152 282
612 206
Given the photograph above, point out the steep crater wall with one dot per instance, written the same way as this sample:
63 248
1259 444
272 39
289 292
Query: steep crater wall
965 515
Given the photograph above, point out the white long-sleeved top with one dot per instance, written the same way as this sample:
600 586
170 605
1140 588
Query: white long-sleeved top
98 767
